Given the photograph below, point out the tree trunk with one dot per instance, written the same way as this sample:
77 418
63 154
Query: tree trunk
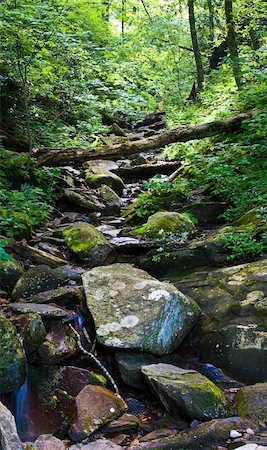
57 157
211 20
199 66
231 42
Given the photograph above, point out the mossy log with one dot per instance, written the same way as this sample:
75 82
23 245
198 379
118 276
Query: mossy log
56 157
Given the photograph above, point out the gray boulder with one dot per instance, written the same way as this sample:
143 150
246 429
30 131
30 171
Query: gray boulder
10 272
185 392
9 439
133 310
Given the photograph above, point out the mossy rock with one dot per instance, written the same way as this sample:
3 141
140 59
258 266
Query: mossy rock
164 224
251 401
185 392
12 358
96 176
89 244
111 200
38 279
255 219
10 272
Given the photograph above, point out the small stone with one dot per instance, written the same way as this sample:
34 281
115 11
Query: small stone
48 442
250 431
235 434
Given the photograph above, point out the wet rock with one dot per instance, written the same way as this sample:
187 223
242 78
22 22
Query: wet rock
49 311
59 344
12 357
10 272
217 376
251 401
96 175
124 423
38 279
238 349
205 436
9 439
129 365
133 310
112 201
51 397
65 273
86 242
100 444
48 442
31 329
163 224
96 406
62 296
185 392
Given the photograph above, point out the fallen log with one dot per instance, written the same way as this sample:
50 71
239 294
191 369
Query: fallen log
56 157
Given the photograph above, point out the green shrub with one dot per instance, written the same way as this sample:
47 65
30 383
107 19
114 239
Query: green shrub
242 243
4 256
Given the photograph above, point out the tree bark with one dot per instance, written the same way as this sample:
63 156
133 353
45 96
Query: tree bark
231 42
197 55
211 20
57 157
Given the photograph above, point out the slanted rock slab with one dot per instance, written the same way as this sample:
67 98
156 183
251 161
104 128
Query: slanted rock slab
95 406
251 401
89 244
133 310
9 439
185 392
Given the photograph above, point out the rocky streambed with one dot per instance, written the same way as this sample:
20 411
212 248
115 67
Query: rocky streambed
116 335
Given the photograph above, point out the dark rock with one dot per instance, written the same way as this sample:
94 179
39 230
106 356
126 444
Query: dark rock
10 272
96 406
129 365
38 279
62 296
206 211
31 328
48 311
64 273
100 444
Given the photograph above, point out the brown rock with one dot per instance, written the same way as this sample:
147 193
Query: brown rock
95 406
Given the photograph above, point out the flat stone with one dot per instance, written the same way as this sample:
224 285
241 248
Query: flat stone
100 444
48 442
9 438
129 365
61 296
185 392
44 310
133 310
205 436
95 406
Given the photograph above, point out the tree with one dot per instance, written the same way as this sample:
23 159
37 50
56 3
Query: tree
232 42
195 45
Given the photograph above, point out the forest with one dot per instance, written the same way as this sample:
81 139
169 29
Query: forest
133 224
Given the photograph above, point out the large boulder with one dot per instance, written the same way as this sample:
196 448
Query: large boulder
95 406
165 224
38 279
251 401
9 439
185 392
10 272
12 358
97 174
89 244
133 310
232 329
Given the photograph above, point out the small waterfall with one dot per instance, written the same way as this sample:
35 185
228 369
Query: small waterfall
79 322
20 396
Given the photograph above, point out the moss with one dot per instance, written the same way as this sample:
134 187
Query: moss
95 177
10 272
84 239
163 224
